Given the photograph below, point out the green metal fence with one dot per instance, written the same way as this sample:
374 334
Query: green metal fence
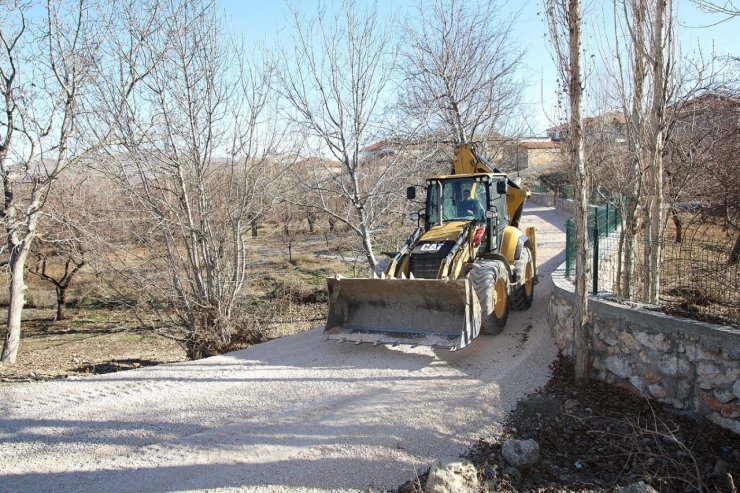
699 277
539 188
564 192
602 221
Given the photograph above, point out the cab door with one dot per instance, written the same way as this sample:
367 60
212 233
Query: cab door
500 218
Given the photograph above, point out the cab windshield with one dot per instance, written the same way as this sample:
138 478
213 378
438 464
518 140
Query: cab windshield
461 199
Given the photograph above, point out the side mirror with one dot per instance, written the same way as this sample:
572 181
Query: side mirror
501 187
414 216
411 193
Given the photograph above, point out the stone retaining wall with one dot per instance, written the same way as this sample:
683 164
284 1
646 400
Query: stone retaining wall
565 205
691 365
545 199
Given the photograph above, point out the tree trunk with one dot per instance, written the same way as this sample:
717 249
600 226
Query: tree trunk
637 130
367 245
679 226
61 302
631 226
311 218
16 300
580 311
660 38
735 253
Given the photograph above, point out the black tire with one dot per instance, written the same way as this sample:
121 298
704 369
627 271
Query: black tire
522 298
490 282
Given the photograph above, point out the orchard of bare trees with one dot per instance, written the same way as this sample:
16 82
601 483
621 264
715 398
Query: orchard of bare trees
143 141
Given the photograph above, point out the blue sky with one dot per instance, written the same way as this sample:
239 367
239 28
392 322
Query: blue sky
258 19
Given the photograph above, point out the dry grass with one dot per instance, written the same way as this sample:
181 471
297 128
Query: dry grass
89 341
286 294
697 278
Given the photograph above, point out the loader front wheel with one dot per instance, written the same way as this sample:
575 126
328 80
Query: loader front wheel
489 281
524 294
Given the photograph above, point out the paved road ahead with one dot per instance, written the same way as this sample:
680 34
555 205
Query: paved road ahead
295 414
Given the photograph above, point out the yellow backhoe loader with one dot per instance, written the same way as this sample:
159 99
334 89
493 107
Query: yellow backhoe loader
456 276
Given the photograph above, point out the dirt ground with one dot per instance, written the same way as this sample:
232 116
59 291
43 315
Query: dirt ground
104 340
90 342
601 438
287 296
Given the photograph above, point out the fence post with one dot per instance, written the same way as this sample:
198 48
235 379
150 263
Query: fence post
616 218
568 247
595 276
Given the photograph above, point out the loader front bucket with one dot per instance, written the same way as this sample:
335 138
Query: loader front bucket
426 312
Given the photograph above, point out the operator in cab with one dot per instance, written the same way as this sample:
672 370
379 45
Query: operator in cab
470 206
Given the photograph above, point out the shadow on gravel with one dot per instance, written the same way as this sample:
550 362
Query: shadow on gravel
259 363
272 450
545 270
52 432
546 214
198 477
115 366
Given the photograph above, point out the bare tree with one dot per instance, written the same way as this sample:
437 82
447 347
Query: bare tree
564 20
44 121
632 182
63 247
701 164
661 65
196 174
644 83
461 62
728 8
336 71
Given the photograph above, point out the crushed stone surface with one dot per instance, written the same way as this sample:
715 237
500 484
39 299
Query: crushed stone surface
294 414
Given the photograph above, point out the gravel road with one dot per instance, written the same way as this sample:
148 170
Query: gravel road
294 414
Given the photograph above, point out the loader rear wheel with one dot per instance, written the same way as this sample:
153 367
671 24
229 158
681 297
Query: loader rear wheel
524 294
489 279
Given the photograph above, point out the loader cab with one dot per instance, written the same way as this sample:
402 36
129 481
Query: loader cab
455 199
480 199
